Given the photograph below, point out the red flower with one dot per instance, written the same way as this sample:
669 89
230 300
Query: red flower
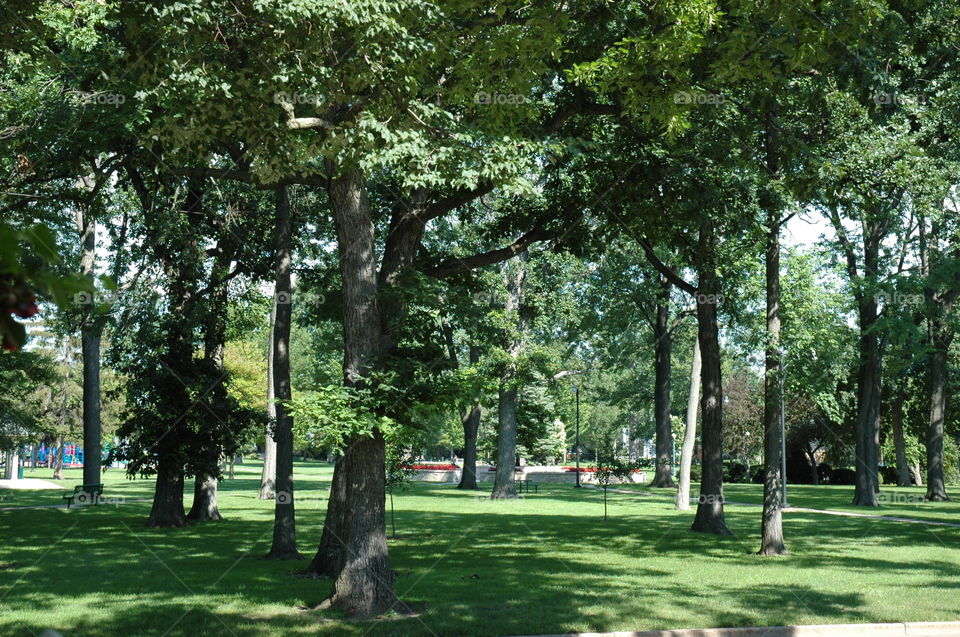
26 309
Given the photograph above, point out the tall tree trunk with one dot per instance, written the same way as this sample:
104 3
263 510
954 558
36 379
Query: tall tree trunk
663 348
916 474
867 428
709 517
865 490
284 522
689 432
936 488
204 507
471 425
896 421
58 459
503 481
503 485
771 527
940 336
167 510
268 473
90 335
363 582
328 558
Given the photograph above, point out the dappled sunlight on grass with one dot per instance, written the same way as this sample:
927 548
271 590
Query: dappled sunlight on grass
545 563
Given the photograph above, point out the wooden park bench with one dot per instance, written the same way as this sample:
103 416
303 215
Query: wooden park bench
82 492
525 486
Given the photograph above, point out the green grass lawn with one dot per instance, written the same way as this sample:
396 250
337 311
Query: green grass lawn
546 563
895 501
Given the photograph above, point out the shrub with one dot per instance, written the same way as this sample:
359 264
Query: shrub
823 471
888 475
736 473
757 475
842 475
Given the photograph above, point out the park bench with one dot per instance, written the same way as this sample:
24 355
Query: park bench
84 491
525 486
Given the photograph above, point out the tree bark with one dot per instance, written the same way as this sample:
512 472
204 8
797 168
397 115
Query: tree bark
663 348
503 485
940 337
867 429
204 508
58 459
503 481
328 558
284 524
867 423
710 517
471 424
936 488
896 421
771 527
91 331
167 510
268 473
916 474
689 432
363 582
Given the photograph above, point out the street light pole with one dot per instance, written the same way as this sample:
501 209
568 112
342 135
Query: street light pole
783 441
576 390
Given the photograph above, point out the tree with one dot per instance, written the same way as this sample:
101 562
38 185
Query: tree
284 526
689 432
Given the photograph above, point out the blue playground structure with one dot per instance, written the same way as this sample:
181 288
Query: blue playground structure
72 455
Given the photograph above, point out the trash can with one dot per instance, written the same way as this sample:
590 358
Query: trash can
20 472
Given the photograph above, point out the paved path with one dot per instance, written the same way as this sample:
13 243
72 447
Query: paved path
29 483
849 514
910 629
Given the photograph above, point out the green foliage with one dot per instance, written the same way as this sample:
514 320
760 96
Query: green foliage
329 416
22 374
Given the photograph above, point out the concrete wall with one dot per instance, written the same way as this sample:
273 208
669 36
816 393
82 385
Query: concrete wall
551 475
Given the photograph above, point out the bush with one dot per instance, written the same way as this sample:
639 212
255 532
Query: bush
888 475
695 474
736 473
824 471
843 475
757 473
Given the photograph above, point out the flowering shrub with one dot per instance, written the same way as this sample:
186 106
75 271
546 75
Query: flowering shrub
432 467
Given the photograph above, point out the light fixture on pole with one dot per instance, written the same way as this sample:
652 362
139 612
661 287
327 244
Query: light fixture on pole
783 439
576 448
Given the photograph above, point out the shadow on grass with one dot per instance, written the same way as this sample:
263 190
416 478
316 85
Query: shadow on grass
548 563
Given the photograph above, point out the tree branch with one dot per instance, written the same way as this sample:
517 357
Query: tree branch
579 107
665 270
458 198
244 176
459 266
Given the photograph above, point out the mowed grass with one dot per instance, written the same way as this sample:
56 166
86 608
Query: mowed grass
906 502
547 563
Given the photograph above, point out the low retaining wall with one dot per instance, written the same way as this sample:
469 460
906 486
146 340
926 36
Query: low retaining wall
551 475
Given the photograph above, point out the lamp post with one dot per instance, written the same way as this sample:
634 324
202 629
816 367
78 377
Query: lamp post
783 441
576 449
